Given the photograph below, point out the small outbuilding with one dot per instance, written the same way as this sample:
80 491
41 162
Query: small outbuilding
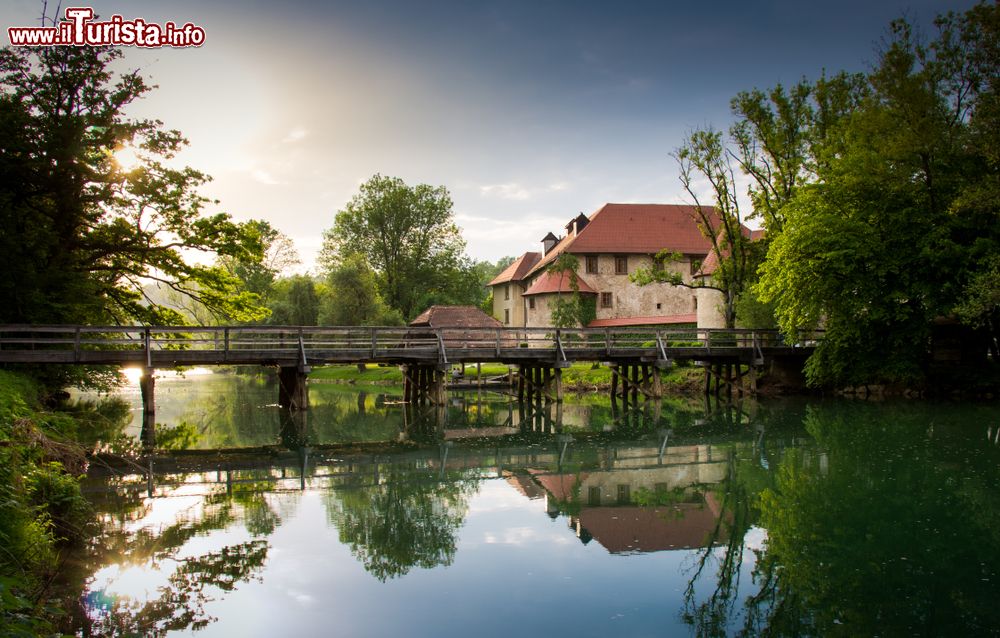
459 326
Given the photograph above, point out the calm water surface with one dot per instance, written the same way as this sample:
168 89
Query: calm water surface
491 519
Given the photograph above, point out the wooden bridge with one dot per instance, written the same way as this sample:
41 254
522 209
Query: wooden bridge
730 357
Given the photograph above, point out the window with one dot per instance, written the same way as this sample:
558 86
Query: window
506 316
531 303
624 494
659 306
593 496
621 265
592 264
607 300
506 292
695 266
695 300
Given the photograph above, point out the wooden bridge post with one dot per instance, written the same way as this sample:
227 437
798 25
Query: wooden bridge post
614 381
293 393
407 383
147 387
635 384
439 386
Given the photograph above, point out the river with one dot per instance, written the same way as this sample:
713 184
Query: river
785 517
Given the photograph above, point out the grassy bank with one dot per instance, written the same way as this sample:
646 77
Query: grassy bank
581 377
41 509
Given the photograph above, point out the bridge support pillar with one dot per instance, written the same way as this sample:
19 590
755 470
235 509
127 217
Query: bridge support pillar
630 379
731 378
147 387
293 393
539 382
425 384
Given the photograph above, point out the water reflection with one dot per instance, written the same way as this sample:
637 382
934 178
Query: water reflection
779 519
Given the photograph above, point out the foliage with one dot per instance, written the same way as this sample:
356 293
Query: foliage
41 507
82 234
407 235
294 302
779 141
898 228
353 298
980 302
576 309
257 273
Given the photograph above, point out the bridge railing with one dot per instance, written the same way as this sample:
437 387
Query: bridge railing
378 342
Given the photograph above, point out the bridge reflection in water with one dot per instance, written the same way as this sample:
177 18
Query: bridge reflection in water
629 482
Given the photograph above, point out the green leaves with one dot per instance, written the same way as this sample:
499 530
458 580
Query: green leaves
83 235
407 235
898 228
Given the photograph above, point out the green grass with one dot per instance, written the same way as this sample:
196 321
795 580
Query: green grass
350 374
581 375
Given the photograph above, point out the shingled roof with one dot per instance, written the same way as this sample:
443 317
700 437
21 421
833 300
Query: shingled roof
635 229
455 317
662 320
517 270
550 282
711 263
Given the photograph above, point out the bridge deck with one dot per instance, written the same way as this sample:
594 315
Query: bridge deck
167 346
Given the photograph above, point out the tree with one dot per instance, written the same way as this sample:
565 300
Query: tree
575 309
259 275
408 236
779 140
81 233
352 297
704 155
295 302
899 227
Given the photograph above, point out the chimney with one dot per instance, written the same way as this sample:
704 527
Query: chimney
577 224
548 242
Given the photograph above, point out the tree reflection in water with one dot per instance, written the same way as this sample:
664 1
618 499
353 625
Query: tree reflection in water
886 527
190 581
409 518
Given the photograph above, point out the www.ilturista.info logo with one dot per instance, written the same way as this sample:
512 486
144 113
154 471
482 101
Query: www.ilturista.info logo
80 29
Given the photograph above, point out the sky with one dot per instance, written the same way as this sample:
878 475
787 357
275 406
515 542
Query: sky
528 112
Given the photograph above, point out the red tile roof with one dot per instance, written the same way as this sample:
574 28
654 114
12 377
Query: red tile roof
552 282
636 229
643 321
517 270
455 317
711 263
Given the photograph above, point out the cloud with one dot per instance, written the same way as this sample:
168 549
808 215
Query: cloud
296 134
264 177
511 190
518 192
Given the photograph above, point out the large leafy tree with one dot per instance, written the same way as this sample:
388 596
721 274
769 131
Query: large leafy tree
258 274
778 142
294 301
902 224
408 236
80 234
352 297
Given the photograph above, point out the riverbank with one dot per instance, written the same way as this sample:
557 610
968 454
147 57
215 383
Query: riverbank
42 512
